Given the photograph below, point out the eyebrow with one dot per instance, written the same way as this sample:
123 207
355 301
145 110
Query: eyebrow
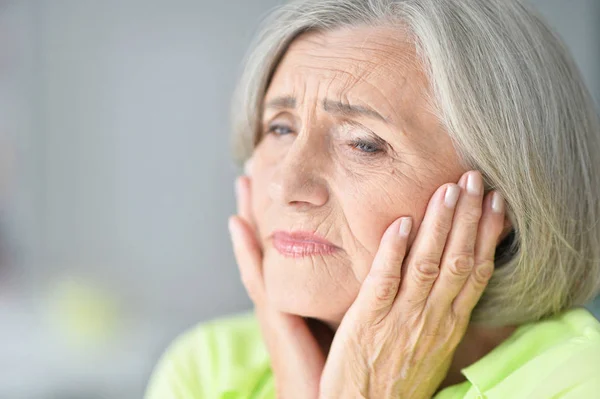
333 107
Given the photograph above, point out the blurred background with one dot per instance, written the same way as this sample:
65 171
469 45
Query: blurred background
116 181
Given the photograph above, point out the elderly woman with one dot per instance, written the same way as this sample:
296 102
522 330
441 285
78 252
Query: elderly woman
420 215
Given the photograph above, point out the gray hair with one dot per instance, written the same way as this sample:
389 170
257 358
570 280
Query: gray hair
510 96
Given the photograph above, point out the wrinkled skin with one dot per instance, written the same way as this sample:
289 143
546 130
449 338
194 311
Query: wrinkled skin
399 305
312 178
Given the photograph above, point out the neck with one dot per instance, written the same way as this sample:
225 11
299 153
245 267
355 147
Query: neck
477 342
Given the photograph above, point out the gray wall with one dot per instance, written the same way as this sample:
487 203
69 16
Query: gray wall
130 137
134 183
120 135
578 22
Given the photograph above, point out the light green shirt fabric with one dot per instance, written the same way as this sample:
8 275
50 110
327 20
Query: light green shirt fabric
225 358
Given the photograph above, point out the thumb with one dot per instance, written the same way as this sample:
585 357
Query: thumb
290 341
296 356
248 257
292 331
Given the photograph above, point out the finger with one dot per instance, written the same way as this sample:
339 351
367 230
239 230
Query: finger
490 227
248 167
248 257
424 258
380 287
243 185
297 359
458 259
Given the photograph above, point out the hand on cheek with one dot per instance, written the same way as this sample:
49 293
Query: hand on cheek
294 346
399 336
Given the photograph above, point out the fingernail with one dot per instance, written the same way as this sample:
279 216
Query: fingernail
405 226
497 202
473 184
234 228
451 196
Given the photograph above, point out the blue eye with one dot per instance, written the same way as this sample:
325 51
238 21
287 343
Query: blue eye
366 146
279 130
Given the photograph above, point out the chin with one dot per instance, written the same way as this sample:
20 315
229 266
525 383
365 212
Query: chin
293 287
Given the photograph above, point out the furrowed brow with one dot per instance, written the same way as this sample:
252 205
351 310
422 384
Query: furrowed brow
339 108
332 107
283 102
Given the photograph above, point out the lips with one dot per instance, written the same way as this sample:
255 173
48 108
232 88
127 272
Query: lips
298 244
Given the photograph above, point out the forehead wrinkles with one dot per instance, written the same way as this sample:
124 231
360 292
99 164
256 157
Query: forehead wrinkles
376 66
347 70
351 59
315 82
374 46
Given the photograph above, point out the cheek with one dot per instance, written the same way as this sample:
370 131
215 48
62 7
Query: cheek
371 205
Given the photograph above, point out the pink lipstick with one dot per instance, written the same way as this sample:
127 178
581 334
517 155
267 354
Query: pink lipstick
301 243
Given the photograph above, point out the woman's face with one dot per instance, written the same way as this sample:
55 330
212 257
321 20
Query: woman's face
348 146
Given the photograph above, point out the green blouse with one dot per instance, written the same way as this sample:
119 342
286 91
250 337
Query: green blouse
225 358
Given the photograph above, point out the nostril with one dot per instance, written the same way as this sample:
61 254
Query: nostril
298 193
300 205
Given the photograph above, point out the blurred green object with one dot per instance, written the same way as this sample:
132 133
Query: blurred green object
84 312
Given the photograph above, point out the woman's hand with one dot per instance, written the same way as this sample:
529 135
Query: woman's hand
296 346
398 338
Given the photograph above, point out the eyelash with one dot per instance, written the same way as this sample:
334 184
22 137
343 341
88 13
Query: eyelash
359 144
374 148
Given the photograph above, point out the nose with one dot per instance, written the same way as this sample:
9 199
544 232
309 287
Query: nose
299 179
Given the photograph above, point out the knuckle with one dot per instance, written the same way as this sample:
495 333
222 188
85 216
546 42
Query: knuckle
470 224
426 270
483 272
473 214
441 225
386 287
461 265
